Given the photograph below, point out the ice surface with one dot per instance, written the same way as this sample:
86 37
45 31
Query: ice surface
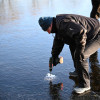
49 77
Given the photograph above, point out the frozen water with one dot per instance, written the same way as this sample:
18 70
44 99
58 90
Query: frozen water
49 77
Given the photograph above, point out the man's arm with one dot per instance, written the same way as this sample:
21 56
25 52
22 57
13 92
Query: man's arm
80 37
57 47
80 45
77 32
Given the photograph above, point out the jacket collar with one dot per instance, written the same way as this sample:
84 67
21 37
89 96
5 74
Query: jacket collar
54 29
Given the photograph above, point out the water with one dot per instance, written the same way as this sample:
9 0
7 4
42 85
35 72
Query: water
25 50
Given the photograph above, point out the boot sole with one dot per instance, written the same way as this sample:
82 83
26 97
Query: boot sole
79 92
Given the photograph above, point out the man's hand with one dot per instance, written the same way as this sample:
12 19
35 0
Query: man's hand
54 61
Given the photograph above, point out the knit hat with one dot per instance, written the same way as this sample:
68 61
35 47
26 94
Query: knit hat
45 22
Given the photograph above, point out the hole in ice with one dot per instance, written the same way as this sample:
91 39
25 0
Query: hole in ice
49 77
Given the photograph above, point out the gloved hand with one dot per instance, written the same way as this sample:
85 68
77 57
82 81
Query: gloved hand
55 61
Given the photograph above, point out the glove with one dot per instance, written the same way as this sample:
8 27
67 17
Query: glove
55 61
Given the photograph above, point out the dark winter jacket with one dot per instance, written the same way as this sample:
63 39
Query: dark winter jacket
73 30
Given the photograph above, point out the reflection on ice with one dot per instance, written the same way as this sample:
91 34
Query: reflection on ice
49 77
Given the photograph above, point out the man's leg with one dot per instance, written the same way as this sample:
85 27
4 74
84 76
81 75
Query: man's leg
83 72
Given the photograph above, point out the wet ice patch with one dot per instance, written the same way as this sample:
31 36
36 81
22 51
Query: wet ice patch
49 77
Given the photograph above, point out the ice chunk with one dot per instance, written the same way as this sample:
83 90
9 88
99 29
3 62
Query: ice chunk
49 77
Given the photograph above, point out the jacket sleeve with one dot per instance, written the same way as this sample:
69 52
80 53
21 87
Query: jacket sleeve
80 41
57 47
80 37
78 33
